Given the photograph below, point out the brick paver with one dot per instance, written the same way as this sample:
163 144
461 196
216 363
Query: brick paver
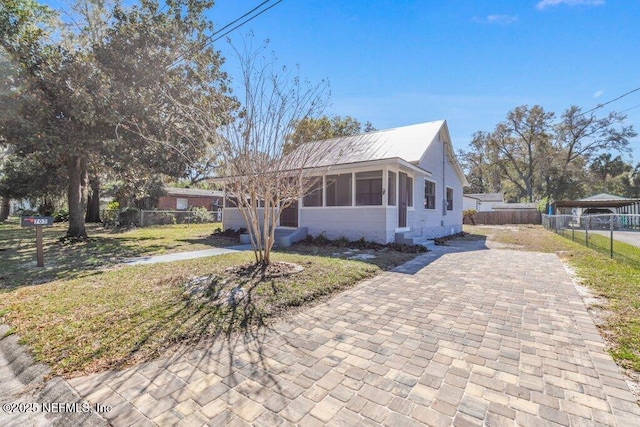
459 336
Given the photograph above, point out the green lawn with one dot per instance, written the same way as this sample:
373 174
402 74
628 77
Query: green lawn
617 280
623 252
103 249
84 313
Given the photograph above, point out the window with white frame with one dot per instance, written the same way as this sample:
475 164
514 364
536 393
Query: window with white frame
429 194
369 188
339 190
449 198
409 191
182 204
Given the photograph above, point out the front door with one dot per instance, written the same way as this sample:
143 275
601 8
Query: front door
289 216
403 198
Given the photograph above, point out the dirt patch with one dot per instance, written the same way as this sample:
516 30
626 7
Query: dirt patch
274 269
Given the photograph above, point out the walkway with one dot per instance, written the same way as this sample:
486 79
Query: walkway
181 256
477 336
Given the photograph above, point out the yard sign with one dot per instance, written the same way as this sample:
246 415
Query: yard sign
38 222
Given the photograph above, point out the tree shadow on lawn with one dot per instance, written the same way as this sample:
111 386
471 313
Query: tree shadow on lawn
64 260
214 334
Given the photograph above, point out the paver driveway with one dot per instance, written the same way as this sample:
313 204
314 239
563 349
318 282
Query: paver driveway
477 336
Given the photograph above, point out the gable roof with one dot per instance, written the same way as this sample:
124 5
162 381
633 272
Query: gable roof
408 143
486 197
194 192
602 196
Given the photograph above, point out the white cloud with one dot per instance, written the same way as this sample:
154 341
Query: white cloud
497 19
550 3
598 93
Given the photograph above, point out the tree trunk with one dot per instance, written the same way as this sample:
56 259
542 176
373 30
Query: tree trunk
4 208
93 201
77 196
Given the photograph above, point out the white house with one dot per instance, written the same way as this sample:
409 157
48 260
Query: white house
402 184
482 202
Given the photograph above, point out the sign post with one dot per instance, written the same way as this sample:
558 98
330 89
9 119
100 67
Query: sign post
38 222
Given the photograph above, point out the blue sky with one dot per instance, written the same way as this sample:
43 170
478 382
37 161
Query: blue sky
397 63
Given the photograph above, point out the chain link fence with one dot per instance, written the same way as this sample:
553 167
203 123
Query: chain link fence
197 216
146 218
618 235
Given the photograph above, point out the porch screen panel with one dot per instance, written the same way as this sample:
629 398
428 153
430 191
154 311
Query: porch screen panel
339 190
314 196
369 188
391 191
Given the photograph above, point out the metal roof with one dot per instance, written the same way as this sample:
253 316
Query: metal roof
176 191
486 197
602 200
408 143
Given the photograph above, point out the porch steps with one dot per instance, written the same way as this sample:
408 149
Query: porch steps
412 238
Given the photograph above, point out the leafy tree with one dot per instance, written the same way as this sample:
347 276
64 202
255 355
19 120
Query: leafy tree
310 129
604 168
105 101
529 157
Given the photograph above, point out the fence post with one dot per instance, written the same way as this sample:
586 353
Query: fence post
611 236
586 231
141 218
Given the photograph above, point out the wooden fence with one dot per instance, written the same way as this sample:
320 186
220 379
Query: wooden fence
519 216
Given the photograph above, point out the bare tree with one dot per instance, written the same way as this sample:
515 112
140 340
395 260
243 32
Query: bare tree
258 176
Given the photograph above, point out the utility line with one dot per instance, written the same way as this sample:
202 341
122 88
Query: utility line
212 38
613 100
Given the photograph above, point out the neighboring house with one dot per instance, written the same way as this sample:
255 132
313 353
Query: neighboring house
182 199
16 206
515 207
481 202
399 184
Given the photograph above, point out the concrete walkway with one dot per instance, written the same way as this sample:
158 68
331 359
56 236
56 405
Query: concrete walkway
494 337
181 256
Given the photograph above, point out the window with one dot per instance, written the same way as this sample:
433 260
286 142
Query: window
449 199
429 194
339 190
391 189
409 191
230 202
182 204
314 196
369 188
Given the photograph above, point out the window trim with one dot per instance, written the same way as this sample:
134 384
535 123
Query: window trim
185 201
431 195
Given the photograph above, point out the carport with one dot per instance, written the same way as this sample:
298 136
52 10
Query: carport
622 205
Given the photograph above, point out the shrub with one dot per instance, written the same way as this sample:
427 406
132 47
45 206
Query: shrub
469 214
130 216
61 215
200 215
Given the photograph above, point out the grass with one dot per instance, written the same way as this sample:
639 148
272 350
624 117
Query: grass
623 252
103 248
78 318
617 280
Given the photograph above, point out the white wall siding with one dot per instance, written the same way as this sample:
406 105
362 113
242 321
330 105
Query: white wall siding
232 218
351 222
432 223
